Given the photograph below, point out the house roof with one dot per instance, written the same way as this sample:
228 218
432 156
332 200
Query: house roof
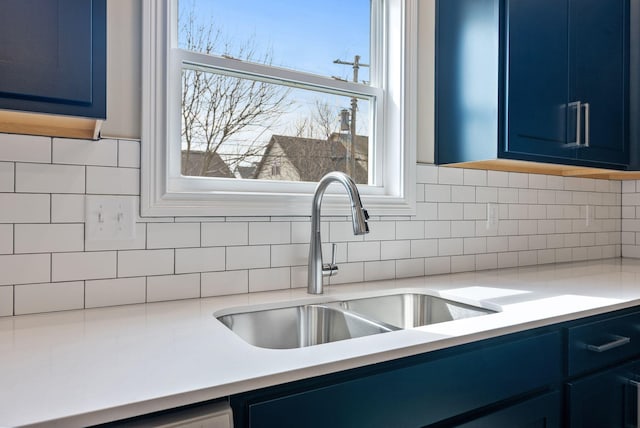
217 167
314 157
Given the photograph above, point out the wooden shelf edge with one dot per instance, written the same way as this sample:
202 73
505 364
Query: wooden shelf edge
49 125
510 165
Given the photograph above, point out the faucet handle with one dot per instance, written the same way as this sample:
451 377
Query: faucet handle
330 269
334 246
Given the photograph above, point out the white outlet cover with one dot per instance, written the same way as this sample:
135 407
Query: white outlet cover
109 218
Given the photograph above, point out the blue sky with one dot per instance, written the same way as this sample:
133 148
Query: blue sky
305 35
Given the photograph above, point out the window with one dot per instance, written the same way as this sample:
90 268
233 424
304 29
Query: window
231 127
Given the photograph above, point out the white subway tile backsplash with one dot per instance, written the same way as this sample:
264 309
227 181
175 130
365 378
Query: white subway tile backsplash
45 178
113 181
111 292
450 175
450 247
486 261
289 255
381 231
409 230
426 173
85 152
146 262
248 257
6 177
48 297
486 194
519 180
269 233
269 279
537 181
173 235
437 265
6 238
497 179
507 196
437 193
200 259
475 177
348 272
363 251
67 208
173 287
507 260
463 228
452 211
79 266
555 182
48 238
463 263
390 250
224 283
540 220
25 269
225 234
497 244
463 194
374 271
128 154
6 301
342 231
437 229
25 148
474 245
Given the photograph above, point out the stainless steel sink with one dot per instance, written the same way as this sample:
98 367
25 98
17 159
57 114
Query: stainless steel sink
409 310
300 326
314 324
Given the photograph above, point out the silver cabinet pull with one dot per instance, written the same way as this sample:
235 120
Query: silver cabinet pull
586 123
578 106
615 343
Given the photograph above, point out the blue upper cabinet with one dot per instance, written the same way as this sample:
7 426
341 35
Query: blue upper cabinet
53 56
536 80
567 81
598 77
537 84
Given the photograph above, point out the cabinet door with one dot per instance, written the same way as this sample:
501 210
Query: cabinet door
598 78
537 90
607 399
411 395
539 412
53 56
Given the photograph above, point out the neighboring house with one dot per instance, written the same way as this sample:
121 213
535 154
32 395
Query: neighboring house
246 172
194 166
308 159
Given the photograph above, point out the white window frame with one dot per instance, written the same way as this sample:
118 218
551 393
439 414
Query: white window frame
164 192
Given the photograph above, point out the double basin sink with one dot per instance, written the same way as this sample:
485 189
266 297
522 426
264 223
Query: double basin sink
313 324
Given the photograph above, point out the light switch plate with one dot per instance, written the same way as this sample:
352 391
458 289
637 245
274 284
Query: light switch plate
109 218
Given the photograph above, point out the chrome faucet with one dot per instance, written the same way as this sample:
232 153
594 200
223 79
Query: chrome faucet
359 217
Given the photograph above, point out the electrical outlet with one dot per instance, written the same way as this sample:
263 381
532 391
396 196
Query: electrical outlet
109 218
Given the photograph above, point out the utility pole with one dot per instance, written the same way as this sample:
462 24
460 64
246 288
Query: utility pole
351 153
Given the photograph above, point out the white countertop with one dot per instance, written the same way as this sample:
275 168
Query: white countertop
85 367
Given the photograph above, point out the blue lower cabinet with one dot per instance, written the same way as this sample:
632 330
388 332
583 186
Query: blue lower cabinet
540 412
607 399
412 392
